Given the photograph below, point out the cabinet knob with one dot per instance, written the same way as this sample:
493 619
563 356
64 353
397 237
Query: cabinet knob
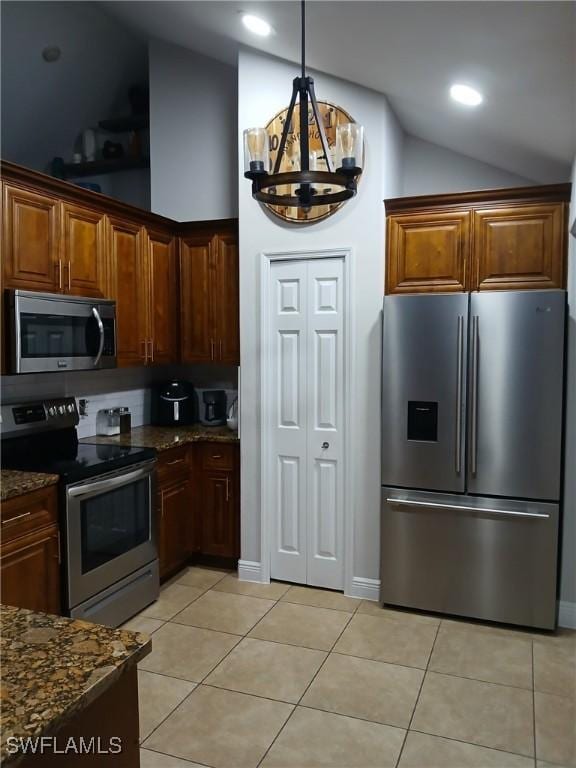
325 445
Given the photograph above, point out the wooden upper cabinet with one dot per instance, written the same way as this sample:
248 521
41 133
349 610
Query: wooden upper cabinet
30 240
494 239
428 252
209 298
520 247
225 298
129 287
84 252
197 333
163 297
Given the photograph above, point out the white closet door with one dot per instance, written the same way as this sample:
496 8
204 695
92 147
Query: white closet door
307 445
325 374
288 297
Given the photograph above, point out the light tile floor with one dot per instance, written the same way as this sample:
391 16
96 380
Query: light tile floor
244 675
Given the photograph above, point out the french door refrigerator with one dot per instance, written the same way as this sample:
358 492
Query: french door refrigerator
472 413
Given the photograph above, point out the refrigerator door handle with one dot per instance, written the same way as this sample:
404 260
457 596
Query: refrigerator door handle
462 508
474 406
459 393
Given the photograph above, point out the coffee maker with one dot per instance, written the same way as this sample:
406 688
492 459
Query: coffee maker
173 404
211 407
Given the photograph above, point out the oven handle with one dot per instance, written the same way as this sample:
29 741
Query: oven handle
109 483
101 331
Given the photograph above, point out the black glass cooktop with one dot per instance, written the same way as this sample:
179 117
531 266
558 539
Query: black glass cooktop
60 453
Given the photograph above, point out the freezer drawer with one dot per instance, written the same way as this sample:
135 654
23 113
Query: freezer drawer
424 391
516 389
477 557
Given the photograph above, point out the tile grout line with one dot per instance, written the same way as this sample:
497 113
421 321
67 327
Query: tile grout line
197 685
295 707
407 731
185 759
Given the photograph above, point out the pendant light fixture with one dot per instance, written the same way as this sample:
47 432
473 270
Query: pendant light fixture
337 183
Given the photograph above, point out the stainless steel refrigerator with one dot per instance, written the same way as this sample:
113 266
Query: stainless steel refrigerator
472 414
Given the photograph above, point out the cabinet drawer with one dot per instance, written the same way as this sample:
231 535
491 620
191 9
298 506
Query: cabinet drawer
29 512
218 456
173 464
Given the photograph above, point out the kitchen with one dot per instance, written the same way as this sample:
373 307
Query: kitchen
194 285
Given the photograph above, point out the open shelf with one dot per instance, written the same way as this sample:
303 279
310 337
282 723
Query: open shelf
103 166
125 124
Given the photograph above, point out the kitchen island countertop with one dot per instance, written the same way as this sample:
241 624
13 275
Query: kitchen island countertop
54 667
164 438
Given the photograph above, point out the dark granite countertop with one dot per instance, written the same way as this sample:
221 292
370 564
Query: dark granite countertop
164 438
13 482
53 667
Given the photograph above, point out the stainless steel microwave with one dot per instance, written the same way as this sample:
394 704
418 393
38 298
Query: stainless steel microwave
52 332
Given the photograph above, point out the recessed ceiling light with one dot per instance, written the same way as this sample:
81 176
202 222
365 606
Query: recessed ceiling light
464 94
256 25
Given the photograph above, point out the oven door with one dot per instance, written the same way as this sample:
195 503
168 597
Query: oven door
110 530
55 333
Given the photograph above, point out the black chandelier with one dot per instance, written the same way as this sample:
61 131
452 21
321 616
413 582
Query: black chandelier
335 185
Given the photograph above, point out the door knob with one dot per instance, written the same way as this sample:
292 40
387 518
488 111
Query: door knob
325 445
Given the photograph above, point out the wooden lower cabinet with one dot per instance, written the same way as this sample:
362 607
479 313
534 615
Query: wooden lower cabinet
30 552
175 514
198 508
219 534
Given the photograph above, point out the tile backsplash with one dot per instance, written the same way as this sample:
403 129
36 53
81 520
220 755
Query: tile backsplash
130 387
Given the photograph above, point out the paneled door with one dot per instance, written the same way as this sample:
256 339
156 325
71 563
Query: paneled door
307 458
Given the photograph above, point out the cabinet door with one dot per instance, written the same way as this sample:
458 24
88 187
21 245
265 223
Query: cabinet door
521 247
175 512
225 298
129 287
428 252
197 334
30 571
84 251
163 272
219 516
30 240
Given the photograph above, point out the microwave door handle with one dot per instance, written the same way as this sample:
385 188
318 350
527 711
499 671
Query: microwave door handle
101 331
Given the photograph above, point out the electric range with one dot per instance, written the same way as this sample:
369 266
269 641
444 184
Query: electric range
106 509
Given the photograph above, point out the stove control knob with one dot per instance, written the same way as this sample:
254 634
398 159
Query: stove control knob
70 408
61 409
52 411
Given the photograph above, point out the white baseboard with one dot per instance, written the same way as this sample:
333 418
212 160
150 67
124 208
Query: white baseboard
250 570
567 614
367 589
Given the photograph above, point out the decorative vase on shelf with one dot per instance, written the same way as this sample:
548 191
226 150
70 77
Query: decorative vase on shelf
89 145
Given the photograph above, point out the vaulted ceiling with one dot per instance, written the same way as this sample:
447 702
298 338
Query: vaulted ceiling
520 55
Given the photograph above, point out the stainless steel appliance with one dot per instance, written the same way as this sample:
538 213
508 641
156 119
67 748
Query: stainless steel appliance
52 332
173 404
472 404
106 509
212 407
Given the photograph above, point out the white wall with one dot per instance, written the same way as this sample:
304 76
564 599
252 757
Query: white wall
193 106
429 169
568 572
45 107
359 225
